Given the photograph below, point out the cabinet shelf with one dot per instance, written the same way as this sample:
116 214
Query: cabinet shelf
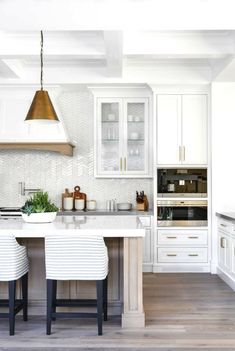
133 122
110 121
135 140
110 140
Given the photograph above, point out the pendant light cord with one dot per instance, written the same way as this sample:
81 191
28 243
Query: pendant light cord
41 56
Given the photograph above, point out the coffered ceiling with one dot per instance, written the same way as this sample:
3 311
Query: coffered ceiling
136 56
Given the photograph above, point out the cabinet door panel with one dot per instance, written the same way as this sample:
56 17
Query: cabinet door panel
168 129
194 129
224 254
233 257
109 137
136 136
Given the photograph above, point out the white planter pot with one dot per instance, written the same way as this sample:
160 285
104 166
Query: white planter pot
45 217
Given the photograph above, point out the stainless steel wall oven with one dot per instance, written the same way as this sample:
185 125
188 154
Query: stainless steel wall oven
177 213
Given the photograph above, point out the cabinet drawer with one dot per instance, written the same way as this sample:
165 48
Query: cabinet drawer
182 255
182 237
225 226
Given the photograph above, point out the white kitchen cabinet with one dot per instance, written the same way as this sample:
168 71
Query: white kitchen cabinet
182 237
146 222
168 133
122 137
224 254
233 257
182 255
182 129
194 129
181 250
226 251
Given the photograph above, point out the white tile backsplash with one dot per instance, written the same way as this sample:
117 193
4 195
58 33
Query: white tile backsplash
54 172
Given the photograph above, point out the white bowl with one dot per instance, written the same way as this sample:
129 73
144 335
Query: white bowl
45 217
124 206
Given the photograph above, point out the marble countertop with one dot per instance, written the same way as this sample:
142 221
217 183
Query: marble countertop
228 216
106 213
107 226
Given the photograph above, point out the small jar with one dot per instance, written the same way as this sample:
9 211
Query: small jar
68 203
79 204
91 205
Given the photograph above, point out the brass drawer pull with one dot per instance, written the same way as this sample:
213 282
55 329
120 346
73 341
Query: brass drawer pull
171 237
223 225
193 237
193 255
125 163
223 243
121 164
171 255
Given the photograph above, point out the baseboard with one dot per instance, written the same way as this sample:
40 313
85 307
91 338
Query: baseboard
147 267
181 268
226 278
38 308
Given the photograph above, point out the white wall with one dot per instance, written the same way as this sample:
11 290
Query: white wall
223 152
223 146
54 172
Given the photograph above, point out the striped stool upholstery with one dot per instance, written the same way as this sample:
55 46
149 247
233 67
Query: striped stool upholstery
76 257
13 266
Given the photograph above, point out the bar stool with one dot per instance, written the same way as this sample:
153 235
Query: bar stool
76 257
13 266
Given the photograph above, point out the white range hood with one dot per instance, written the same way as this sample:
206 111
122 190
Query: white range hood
15 133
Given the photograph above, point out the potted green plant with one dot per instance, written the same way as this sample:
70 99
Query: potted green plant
39 209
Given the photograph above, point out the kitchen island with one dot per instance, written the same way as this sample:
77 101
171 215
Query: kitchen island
123 236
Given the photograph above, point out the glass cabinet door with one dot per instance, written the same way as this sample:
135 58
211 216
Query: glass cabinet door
136 136
109 139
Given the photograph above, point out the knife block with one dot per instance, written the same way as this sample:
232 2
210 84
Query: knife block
144 205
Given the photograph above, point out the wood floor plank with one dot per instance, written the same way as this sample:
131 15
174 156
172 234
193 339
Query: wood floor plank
184 312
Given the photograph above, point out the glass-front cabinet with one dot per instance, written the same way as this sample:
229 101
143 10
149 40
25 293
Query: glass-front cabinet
122 137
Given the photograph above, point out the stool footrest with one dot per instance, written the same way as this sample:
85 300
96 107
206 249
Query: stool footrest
73 315
75 302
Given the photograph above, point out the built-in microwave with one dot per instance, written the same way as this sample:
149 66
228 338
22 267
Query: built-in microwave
182 182
176 213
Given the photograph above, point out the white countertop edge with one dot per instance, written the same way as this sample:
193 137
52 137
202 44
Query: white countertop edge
106 233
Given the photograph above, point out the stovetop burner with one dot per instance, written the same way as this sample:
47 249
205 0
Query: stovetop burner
10 212
10 209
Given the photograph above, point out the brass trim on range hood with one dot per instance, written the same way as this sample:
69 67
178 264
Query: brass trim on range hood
65 148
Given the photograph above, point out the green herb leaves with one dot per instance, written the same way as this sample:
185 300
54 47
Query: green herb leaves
39 203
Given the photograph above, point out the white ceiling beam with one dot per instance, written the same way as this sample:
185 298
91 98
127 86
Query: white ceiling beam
6 71
182 44
114 52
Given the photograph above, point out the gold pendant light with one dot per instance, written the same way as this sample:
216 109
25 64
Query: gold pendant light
41 108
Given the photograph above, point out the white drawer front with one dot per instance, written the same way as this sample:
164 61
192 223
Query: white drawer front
182 255
182 237
226 226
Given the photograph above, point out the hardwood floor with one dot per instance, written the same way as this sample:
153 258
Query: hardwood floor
183 312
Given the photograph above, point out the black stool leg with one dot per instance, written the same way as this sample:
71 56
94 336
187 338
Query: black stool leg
24 281
105 298
99 290
12 291
54 297
49 304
